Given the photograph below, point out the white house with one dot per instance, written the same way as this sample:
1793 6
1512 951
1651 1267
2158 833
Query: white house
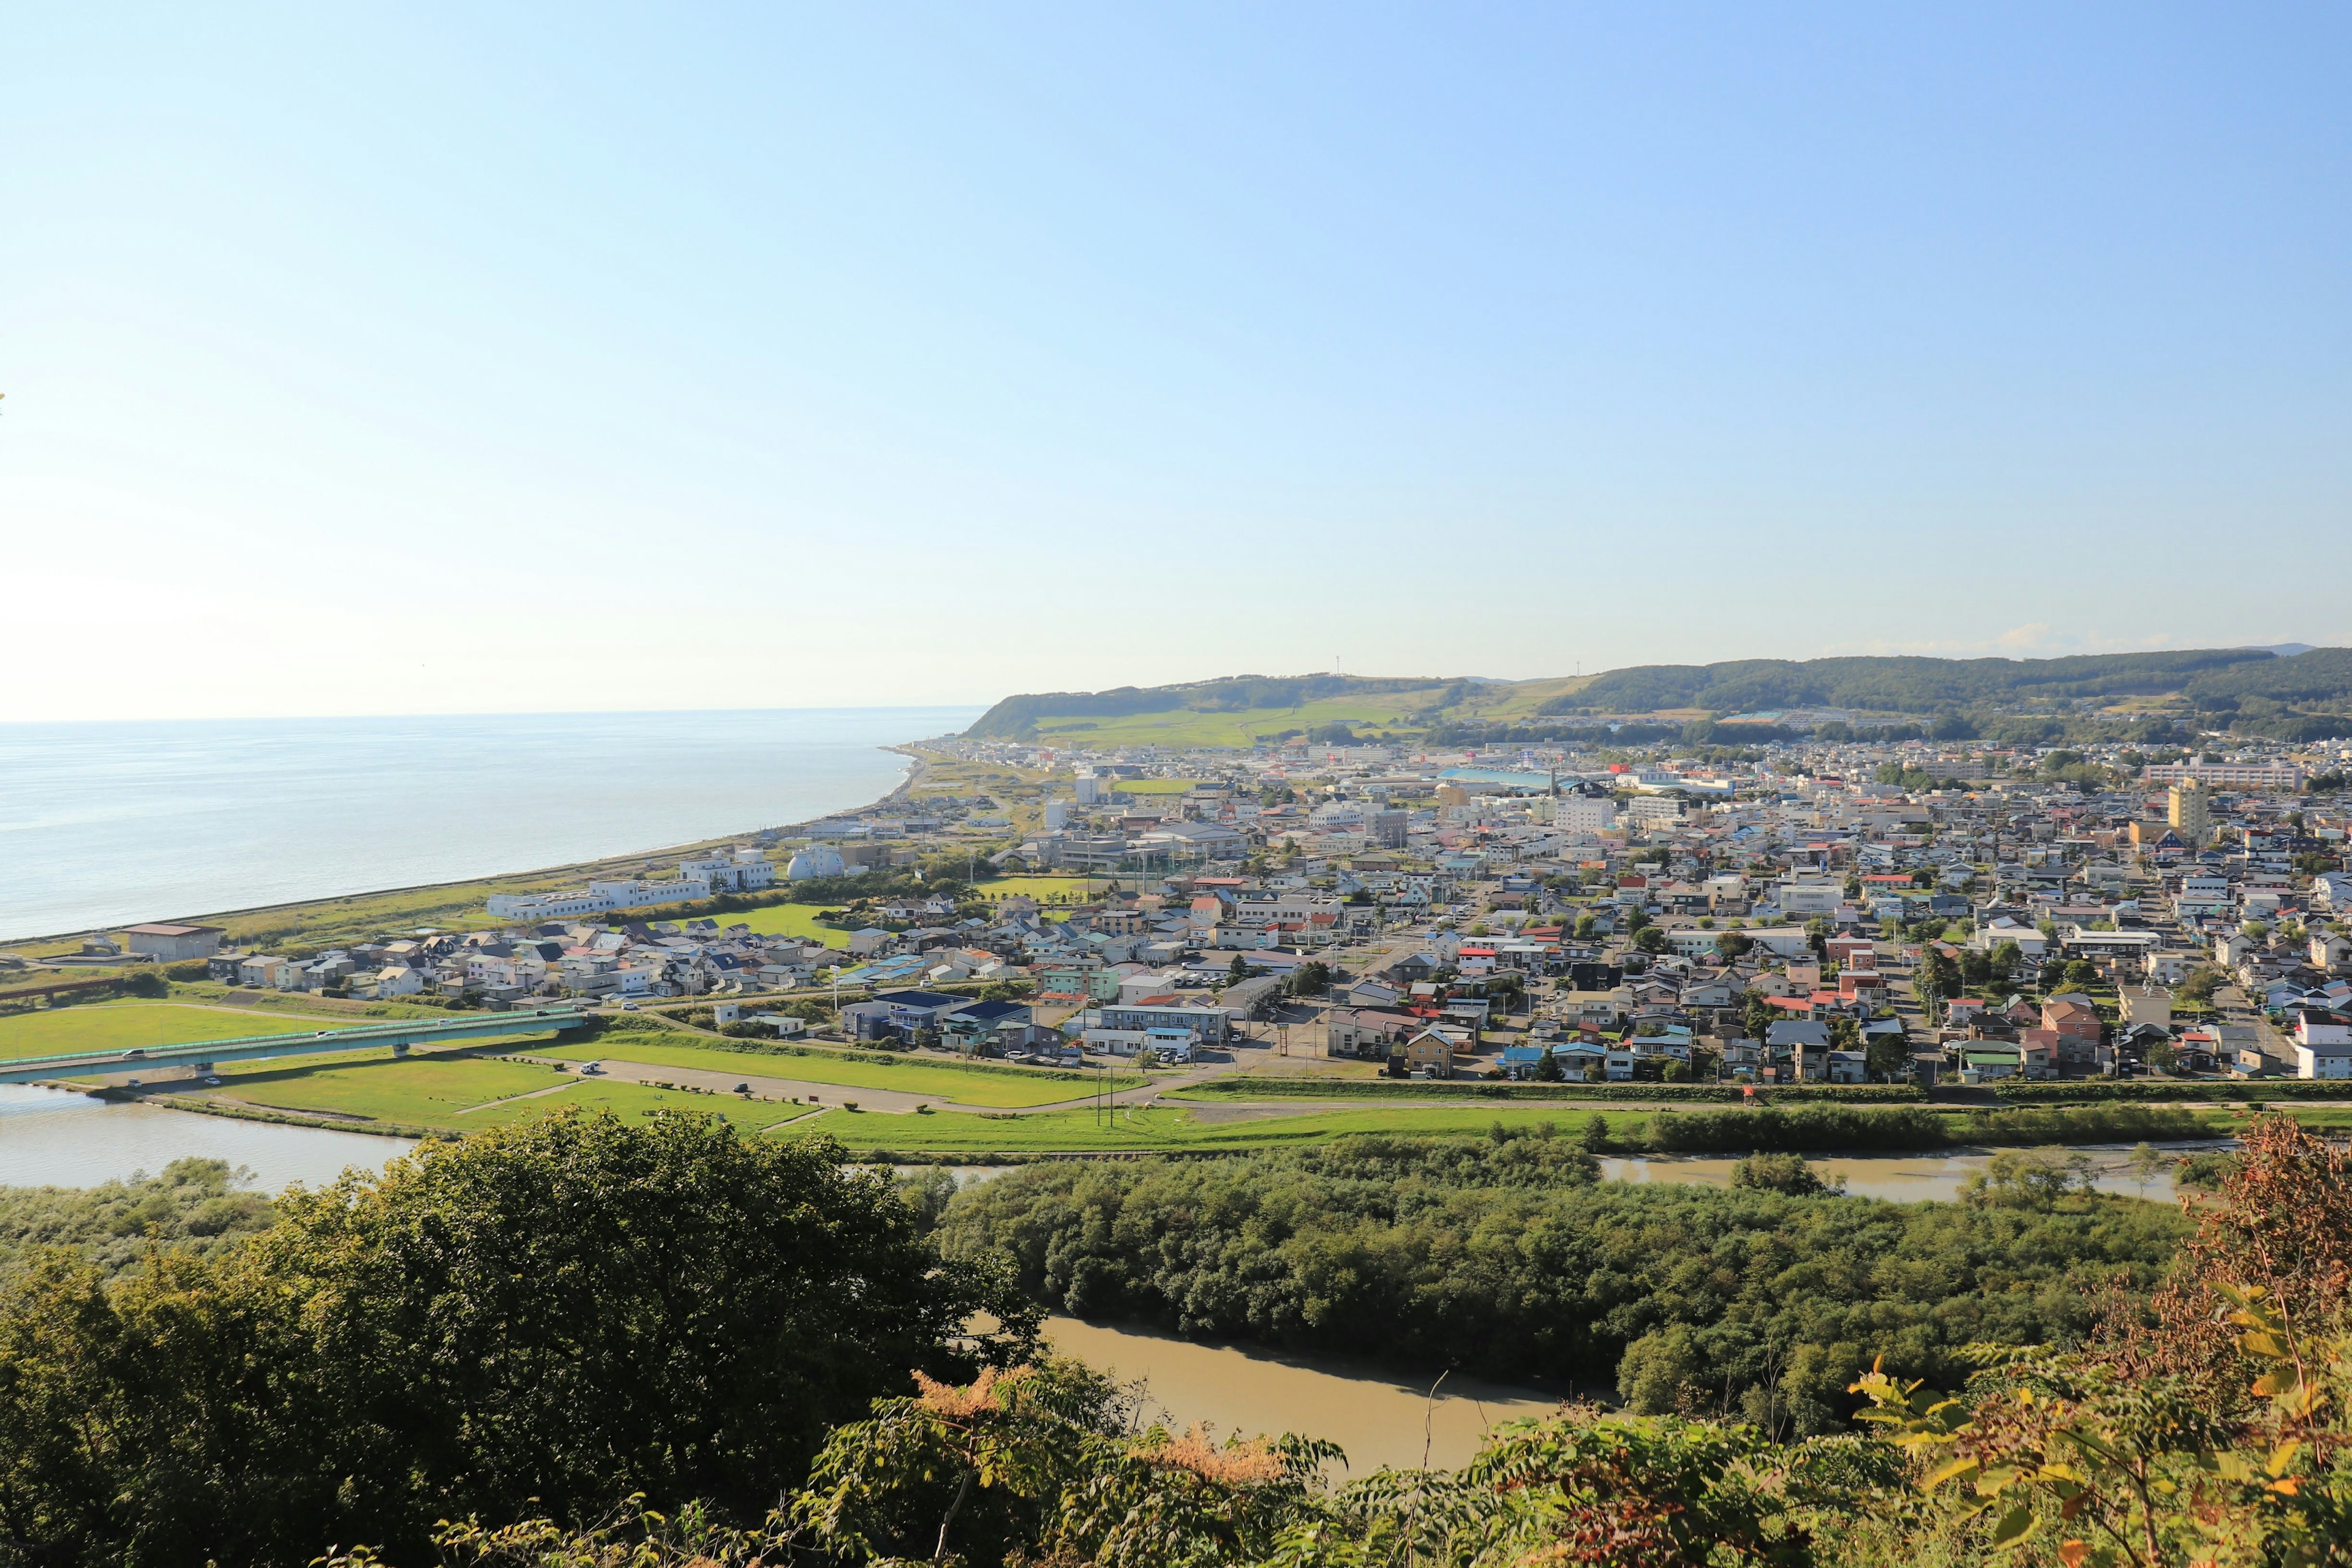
398 980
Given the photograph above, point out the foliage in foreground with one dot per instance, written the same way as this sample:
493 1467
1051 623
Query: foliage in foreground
2205 1426
1508 1259
544 1317
192 1206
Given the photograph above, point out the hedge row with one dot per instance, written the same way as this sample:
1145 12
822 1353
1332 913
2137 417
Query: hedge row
1803 1128
2100 1091
1415 1089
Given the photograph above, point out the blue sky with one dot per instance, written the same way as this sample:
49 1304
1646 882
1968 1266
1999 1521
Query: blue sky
415 359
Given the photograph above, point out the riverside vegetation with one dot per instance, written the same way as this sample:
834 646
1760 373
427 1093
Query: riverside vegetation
1512 1261
582 1341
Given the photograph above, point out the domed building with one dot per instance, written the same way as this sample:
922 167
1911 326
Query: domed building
816 860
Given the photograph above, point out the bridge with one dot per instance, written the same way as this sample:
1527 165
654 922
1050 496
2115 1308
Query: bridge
201 1056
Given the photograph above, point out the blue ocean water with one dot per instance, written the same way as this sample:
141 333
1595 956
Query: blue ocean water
106 823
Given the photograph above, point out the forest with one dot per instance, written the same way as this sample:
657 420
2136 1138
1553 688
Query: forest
586 1343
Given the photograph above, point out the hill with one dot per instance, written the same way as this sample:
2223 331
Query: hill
2299 697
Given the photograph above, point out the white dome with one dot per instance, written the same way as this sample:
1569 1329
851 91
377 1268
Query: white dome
816 860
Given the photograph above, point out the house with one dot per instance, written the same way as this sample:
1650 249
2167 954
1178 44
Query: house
1804 1041
398 980
1366 1031
2077 1026
1429 1054
2323 1044
978 1024
900 1014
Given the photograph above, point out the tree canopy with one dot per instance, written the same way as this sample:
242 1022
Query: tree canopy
541 1317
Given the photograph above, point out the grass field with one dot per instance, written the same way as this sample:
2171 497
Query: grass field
302 1001
123 1025
965 1085
416 1090
788 920
1152 787
458 1091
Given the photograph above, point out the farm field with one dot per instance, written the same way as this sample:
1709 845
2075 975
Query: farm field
126 1025
966 1085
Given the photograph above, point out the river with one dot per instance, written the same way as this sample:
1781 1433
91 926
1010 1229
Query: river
52 1138
1379 1417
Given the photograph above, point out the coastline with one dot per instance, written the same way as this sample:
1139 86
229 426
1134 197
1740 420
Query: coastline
476 890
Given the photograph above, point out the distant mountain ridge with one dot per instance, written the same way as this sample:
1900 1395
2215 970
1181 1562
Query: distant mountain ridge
2214 680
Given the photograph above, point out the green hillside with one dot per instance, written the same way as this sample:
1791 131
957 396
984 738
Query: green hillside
2305 697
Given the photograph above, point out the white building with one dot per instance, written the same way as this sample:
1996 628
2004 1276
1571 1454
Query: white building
744 871
2230 775
1582 813
600 897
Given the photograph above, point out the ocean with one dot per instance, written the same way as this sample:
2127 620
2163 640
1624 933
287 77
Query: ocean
109 823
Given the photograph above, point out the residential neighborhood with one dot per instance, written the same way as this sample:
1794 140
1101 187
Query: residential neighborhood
1827 909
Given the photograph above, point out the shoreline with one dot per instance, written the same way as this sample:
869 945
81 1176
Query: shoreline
917 767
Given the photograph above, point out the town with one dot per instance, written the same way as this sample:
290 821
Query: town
1816 908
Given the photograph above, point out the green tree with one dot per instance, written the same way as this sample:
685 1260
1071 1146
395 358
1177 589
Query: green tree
550 1315
1651 939
1887 1057
1548 1067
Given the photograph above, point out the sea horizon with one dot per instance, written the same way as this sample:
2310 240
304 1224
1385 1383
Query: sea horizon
106 822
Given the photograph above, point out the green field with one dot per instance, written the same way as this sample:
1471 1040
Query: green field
966 1085
420 1090
125 1025
788 920
458 1091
